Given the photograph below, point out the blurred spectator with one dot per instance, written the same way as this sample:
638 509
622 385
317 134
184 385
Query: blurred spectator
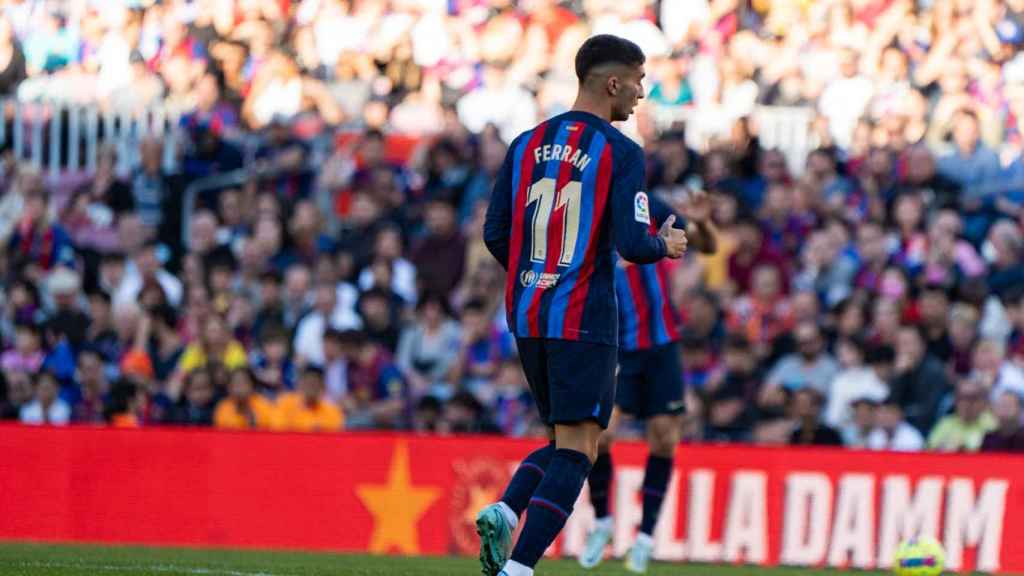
965 429
891 431
272 368
165 345
214 344
762 314
810 367
732 394
18 393
1004 249
919 381
27 354
243 407
145 268
91 380
464 414
380 310
127 402
198 401
807 403
1009 433
37 243
512 405
865 376
46 406
428 347
483 349
994 370
307 409
67 320
427 415
379 395
327 312
698 361
439 256
857 429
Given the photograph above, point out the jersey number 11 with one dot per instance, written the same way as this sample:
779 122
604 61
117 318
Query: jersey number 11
568 200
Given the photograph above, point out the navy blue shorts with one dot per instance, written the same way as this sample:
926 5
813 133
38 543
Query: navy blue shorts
571 381
650 382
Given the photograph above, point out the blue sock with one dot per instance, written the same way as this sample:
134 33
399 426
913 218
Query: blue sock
656 477
527 477
551 505
599 480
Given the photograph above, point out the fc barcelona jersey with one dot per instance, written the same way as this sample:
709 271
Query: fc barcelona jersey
647 318
569 193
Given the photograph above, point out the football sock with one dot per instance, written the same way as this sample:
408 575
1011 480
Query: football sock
656 477
551 505
599 480
526 478
513 568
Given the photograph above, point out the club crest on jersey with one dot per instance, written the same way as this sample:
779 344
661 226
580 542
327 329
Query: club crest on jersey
527 278
642 208
542 281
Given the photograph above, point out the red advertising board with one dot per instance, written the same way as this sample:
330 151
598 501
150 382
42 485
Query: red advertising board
405 494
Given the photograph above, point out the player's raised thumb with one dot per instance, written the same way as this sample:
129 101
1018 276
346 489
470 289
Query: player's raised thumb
667 224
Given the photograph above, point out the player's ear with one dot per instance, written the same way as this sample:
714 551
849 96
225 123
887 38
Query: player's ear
613 85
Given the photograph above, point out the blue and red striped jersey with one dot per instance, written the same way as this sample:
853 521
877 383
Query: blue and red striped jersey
647 317
569 193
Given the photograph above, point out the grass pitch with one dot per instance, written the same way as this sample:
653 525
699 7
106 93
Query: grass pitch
60 560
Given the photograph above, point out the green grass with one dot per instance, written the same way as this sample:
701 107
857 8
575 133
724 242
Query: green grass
60 560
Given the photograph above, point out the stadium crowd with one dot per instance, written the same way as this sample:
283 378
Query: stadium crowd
872 298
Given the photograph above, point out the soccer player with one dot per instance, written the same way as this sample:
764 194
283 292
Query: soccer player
650 383
569 193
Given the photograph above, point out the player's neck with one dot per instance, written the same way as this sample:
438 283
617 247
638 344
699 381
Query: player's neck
584 104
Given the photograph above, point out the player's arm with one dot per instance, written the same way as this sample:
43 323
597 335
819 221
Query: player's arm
498 223
631 216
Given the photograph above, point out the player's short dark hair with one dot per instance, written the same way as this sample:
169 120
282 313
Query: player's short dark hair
606 49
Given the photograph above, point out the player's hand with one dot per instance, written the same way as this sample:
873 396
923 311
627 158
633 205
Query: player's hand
675 239
697 207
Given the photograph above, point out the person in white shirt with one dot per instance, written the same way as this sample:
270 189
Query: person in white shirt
46 407
309 336
892 432
845 98
864 377
146 266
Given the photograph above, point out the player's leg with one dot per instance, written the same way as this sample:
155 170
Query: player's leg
599 482
496 523
664 408
664 432
581 383
600 478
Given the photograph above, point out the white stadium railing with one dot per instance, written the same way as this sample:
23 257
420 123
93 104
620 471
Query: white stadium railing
59 137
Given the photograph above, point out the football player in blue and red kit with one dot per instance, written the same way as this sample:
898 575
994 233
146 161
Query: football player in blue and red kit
569 194
650 382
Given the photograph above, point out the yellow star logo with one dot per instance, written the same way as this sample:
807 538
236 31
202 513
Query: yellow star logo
397 507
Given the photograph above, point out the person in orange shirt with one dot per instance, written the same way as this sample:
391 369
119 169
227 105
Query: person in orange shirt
308 410
243 408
